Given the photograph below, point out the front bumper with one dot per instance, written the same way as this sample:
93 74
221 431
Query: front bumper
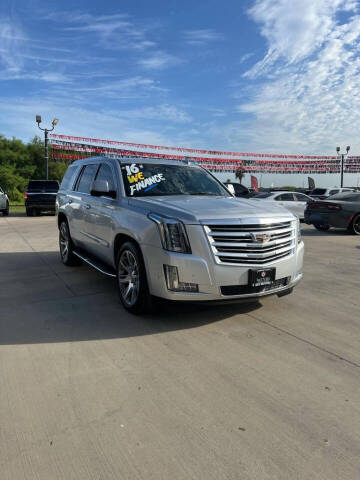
211 276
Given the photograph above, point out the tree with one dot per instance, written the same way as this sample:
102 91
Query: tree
240 173
20 162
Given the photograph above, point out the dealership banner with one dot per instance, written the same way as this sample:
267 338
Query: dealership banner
69 148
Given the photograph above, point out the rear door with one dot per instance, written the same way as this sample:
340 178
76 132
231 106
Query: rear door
300 204
80 205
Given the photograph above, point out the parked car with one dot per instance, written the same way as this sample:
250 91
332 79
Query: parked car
40 196
293 201
323 193
237 189
340 211
4 203
170 230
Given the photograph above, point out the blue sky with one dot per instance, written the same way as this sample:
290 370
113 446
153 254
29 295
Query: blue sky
263 75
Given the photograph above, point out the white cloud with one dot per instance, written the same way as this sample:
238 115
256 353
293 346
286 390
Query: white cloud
294 29
309 97
116 32
201 37
158 61
11 40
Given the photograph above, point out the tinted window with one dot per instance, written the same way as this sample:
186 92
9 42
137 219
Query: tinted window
263 195
347 197
67 181
285 197
43 185
87 178
332 192
240 189
141 180
318 191
105 173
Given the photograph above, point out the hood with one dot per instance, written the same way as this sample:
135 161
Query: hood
192 209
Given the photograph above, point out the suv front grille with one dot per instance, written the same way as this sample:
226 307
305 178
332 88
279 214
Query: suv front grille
251 244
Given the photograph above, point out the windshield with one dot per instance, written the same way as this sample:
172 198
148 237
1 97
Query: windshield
145 180
318 191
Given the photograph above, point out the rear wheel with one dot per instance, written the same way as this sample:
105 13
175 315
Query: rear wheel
6 211
355 225
322 228
34 212
131 280
66 246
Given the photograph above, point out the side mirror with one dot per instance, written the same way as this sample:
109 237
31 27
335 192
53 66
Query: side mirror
101 188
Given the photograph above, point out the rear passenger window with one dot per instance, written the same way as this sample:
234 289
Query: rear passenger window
67 182
332 192
285 197
105 173
87 178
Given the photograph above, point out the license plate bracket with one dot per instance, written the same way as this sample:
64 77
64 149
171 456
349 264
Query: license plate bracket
261 277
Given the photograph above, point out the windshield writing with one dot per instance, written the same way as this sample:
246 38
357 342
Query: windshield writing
146 179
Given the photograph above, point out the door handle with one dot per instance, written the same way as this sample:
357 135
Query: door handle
88 206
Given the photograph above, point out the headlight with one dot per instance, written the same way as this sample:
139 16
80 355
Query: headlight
298 230
172 233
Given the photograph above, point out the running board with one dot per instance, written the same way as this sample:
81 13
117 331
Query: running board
94 263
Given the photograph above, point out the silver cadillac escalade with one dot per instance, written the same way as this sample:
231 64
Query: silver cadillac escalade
169 229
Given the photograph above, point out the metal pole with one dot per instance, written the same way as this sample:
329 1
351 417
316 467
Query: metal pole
46 158
342 171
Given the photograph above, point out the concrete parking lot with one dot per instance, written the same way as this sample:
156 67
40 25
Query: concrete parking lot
267 391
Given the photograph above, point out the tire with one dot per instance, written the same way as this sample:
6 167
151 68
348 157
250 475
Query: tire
28 212
66 246
354 227
34 212
321 228
6 211
132 281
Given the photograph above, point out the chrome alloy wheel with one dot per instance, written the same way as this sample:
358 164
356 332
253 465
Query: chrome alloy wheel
128 277
64 241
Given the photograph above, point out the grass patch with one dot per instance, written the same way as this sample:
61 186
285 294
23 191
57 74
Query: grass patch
17 208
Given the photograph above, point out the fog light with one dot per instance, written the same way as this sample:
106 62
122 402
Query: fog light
173 283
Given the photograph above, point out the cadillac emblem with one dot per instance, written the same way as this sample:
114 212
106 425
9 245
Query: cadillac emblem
260 237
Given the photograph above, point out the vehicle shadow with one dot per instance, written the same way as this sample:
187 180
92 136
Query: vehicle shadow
42 301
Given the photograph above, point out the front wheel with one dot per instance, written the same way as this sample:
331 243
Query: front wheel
321 227
131 280
66 246
355 225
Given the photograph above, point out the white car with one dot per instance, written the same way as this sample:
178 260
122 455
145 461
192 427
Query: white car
323 193
4 203
293 201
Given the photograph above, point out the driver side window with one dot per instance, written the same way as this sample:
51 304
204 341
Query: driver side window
105 173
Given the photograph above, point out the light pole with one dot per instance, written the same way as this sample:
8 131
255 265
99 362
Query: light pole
46 131
342 163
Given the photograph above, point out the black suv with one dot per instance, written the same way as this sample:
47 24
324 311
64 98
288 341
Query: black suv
40 196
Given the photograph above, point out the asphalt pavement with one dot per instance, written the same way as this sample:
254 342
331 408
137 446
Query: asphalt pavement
234 392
